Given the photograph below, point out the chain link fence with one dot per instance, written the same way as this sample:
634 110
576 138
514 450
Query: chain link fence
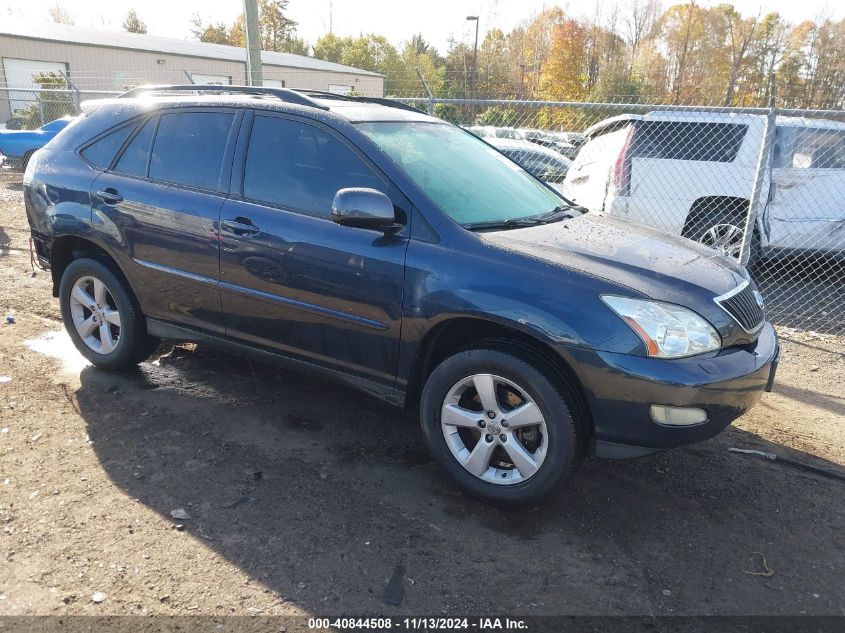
763 185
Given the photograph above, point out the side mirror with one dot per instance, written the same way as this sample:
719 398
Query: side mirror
364 209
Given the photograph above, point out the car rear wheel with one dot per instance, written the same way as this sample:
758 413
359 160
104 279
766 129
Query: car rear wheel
723 232
499 426
102 316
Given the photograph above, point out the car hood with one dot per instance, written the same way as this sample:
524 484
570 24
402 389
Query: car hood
658 265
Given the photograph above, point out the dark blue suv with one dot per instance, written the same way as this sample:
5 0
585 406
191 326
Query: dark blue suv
363 240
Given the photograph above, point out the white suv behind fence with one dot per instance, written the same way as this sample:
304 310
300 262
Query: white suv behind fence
692 173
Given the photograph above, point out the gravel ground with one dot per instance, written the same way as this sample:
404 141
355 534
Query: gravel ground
307 498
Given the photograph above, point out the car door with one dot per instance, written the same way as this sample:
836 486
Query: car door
160 203
806 206
292 279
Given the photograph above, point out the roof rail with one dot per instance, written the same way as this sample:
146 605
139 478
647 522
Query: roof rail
391 103
385 101
284 94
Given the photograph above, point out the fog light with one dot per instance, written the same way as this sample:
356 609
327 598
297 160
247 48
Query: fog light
677 416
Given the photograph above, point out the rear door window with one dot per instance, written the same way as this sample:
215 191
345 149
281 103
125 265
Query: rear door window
136 156
189 148
298 166
688 140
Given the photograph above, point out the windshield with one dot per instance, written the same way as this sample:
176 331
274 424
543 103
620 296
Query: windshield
469 180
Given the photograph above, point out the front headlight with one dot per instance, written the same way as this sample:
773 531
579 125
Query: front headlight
668 331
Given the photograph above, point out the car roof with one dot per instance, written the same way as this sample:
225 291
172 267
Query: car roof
708 117
350 108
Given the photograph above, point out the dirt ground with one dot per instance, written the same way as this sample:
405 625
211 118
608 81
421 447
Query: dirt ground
308 498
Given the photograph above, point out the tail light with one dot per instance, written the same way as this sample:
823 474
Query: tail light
620 179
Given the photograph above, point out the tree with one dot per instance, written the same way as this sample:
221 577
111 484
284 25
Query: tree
275 27
741 34
680 29
642 16
498 116
60 15
563 75
330 47
277 31
48 106
133 24
212 33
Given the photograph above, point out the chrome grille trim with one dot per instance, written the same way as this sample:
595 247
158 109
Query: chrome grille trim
740 305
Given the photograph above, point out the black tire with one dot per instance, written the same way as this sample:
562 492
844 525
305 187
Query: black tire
134 345
564 442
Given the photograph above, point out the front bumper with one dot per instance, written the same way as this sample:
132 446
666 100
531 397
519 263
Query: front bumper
621 388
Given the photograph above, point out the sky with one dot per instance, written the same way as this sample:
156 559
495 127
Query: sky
398 20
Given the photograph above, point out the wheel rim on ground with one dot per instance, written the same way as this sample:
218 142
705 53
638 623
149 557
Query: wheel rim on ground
95 314
494 429
726 239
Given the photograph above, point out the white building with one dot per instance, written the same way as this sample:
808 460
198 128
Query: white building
99 60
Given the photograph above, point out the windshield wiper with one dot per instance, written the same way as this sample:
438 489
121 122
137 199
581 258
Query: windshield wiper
562 212
512 223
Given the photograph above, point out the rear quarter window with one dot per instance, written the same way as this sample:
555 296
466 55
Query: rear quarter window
101 152
688 140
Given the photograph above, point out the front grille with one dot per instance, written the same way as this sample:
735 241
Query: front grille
743 307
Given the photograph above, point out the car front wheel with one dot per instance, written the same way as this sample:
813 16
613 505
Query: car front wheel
499 425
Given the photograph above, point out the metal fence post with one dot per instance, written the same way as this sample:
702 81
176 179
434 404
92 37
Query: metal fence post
764 164
428 90
76 98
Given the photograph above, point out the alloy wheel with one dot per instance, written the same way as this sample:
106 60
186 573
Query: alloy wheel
494 429
95 314
725 239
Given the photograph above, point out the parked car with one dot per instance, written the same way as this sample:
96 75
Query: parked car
541 162
489 131
17 146
550 140
360 239
692 174
573 138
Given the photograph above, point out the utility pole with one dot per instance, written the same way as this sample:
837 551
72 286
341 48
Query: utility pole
474 18
253 44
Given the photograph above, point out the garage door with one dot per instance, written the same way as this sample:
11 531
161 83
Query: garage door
20 74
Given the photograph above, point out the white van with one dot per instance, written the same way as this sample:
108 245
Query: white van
693 173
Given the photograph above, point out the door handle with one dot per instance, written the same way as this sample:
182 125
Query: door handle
110 196
241 227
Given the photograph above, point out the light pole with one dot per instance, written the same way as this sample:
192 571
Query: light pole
253 44
474 18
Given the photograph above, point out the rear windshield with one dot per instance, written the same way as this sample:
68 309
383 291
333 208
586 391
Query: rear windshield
469 180
686 140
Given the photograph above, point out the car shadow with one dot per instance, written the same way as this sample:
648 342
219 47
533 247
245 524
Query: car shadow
323 495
